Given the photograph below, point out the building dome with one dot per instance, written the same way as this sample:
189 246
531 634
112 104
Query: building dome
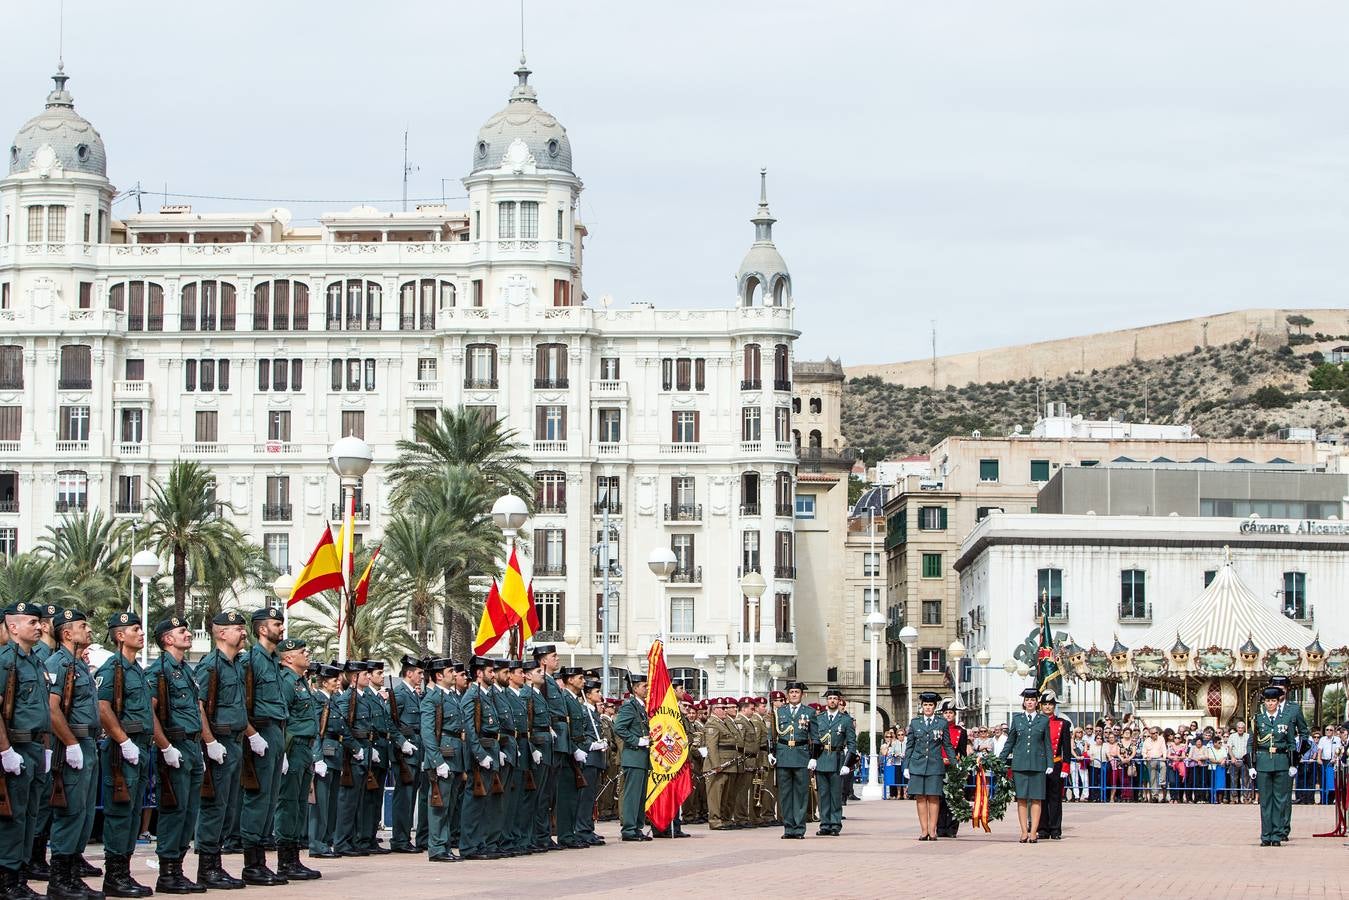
75 145
523 121
763 278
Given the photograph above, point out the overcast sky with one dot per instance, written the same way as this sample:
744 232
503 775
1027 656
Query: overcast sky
1014 170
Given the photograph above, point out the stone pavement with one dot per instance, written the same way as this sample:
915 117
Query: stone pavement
1120 850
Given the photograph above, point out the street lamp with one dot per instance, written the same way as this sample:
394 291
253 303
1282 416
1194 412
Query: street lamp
875 623
955 653
775 672
350 458
752 585
283 587
982 657
908 636
662 563
571 639
145 566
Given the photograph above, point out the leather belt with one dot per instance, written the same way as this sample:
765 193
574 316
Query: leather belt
179 734
487 736
449 754
225 730
407 731
790 743
454 734
360 734
84 731
129 728
28 737
263 722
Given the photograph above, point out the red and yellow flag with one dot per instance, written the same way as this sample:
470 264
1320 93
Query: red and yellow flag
495 621
362 591
531 620
323 572
513 594
669 781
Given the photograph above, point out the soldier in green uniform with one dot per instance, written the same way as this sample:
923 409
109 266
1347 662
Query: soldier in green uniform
381 757
833 741
354 713
73 705
483 742
608 797
1031 758
540 755
1275 748
496 827
36 868
220 685
792 727
596 749
405 716
1301 734
515 745
328 767
177 735
27 719
633 728
926 756
555 752
442 733
125 713
267 720
300 754
571 780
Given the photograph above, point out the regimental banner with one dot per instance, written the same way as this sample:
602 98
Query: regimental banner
669 781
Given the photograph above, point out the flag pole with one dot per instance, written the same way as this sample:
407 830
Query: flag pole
344 616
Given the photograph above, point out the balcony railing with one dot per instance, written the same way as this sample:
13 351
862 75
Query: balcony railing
551 507
11 384
407 323
276 512
785 637
425 388
751 446
285 448
555 383
128 507
814 459
131 388
683 449
608 388
614 506
751 384
749 509
608 448
127 448
480 384
1135 613
550 569
77 505
683 512
784 510
550 446
362 512
202 448
72 446
1058 612
614 637
689 575
781 385
74 384
784 571
615 570
1305 616
9 506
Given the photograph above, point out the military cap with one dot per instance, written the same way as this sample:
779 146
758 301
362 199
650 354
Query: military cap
833 692
328 671
478 663
592 686
636 678
374 665
291 644
48 611
1281 682
313 668
119 620
268 612
164 626
1272 692
512 664
796 685
929 697
777 695
541 650
570 671
592 673
529 665
410 662
25 608
1031 693
458 666
610 701
817 707
948 704
1050 697
745 701
227 617
425 662
353 665
760 701
69 615
437 664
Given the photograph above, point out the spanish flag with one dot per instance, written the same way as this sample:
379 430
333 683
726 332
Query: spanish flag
322 573
513 594
362 591
495 621
531 622
668 782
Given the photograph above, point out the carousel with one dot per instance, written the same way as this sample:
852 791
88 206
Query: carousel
1215 655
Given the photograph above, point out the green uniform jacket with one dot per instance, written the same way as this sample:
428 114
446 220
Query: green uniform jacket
540 732
268 701
448 746
409 724
590 734
791 741
183 712
1027 746
481 727
135 694
83 699
303 709
229 698
31 709
834 739
514 717
557 712
927 738
631 724
1274 743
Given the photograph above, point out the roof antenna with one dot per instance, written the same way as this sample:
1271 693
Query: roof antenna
61 36
407 170
522 29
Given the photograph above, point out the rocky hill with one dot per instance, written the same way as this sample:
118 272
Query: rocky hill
1232 390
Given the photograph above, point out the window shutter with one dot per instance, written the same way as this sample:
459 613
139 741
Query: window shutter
563 425
941 518
296 374
300 300
260 306
155 321
561 351
541 362
190 374
699 374
674 427
227 311
540 421
187 311
539 544
224 375
697 419
264 374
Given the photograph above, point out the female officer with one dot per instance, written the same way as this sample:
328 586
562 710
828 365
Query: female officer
926 757
1027 749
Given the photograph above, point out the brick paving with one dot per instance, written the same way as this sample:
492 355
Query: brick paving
1108 851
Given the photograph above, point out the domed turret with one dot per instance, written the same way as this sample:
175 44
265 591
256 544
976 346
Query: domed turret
58 138
522 133
763 276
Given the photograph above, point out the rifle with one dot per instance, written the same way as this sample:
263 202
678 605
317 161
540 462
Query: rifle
120 794
347 779
530 785
323 735
479 789
249 779
437 799
59 800
405 775
212 700
168 798
7 710
577 774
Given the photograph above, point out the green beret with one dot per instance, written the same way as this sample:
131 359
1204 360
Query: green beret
67 616
48 611
23 608
164 626
228 617
268 612
290 644
123 619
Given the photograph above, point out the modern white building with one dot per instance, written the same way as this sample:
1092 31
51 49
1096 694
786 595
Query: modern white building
251 345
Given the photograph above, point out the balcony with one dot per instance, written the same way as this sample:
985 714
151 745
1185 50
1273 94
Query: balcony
202 448
896 678
689 637
551 507
11 384
276 512
1303 616
754 447
781 385
78 504
784 571
784 510
128 507
283 448
480 384
615 570
683 512
614 637
74 384
609 389
130 449
550 383
1135 614
817 459
1058 612
688 575
550 446
892 632
749 509
9 446
683 449
131 390
608 448
550 570
9 506
72 446
751 384
425 388
362 512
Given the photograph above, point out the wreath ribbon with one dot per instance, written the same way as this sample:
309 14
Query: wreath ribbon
979 814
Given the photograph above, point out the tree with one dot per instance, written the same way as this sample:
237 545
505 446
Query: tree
1328 377
1298 321
92 557
1269 397
33 577
221 581
461 437
379 630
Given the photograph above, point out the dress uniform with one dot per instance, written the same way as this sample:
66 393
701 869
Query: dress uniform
764 798
1061 748
518 834
124 709
72 684
299 751
36 868
695 808
173 694
332 729
925 756
633 728
381 758
571 780
745 767
1275 748
354 712
947 825
220 684
442 731
540 757
607 801
27 717
723 751
792 727
833 741
596 751
1030 757
507 805
407 737
482 731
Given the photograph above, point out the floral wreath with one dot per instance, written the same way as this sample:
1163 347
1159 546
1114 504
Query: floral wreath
958 777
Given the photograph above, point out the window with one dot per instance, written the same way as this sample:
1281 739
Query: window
280 374
782 492
278 550
613 614
486 412
144 304
612 558
133 426
750 424
529 220
281 305
681 615
751 380
347 374
608 368
611 426
782 425
551 607
206 375
749 551
816 405
607 495
278 425
4 295
73 422
1209 575
805 506
480 369
207 430
988 470
1039 470
931 660
353 305
871 563
782 603
1049 593
506 221
749 493
419 300
550 492
982 512
278 498
477 292
128 494
684 427
9 542
683 498
931 518
135 370
931 612
561 292
88 226
76 368
72 491
56 224
1133 601
423 421
784 554
36 217
683 374
209 305
427 369
353 423
11 368
550 551
932 565
11 423
550 423
550 366
871 600
782 374
1295 595
86 295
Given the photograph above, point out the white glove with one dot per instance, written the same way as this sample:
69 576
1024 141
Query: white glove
702 751
579 755
285 765
503 758
443 770
130 752
407 748
772 760
1252 774
46 761
11 761
844 770
811 765
537 756
906 774
321 768
359 755
598 745
1292 770
485 762
173 757
644 742
74 756
1049 771
257 744
215 751
374 756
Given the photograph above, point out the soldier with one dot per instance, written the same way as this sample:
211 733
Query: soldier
695 807
546 656
765 783
743 768
420 834
1276 758
540 735
483 739
405 715
1031 758
27 718
571 780
607 799
515 723
947 824
267 720
722 748
442 755
36 868
793 760
833 740
301 759
323 809
220 685
74 716
1061 748
632 727
375 696
177 735
354 712
593 765
124 711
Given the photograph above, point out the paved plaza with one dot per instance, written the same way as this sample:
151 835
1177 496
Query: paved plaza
1108 851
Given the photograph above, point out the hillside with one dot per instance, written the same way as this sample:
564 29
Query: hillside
1231 390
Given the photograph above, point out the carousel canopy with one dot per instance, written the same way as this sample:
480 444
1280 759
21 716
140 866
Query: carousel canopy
1227 614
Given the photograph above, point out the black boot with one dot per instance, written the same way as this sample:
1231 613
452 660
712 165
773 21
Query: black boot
288 863
85 869
72 879
118 881
173 881
256 871
59 885
210 874
37 868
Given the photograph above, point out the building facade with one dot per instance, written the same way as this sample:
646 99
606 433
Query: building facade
250 345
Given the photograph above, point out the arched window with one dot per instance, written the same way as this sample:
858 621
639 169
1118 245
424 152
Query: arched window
144 304
816 439
354 305
419 300
206 306
782 372
782 291
694 680
281 305
796 404
816 405
753 292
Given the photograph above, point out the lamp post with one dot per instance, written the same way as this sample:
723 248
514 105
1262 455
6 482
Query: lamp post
571 639
509 512
661 562
982 656
955 653
875 622
752 585
775 672
1010 667
908 636
350 457
283 587
145 566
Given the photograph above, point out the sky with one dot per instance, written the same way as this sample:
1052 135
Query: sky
1002 171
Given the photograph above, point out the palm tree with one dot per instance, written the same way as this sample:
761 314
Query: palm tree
184 524
461 437
92 555
30 576
379 630
221 582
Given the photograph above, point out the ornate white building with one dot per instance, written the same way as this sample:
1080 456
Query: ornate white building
250 345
